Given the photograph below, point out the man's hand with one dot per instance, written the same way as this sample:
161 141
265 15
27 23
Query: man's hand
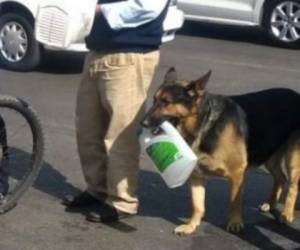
98 9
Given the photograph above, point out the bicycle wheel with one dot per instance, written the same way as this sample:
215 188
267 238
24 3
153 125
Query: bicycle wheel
22 149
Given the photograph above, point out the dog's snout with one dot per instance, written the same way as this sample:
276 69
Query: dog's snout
151 122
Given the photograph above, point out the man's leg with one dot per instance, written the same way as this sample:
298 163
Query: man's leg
91 123
123 81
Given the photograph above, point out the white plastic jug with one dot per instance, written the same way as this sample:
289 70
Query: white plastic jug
60 23
169 153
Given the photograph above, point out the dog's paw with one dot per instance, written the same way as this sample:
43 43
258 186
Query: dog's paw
235 227
185 229
265 207
286 218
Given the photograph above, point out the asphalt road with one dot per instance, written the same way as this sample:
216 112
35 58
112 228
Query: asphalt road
242 60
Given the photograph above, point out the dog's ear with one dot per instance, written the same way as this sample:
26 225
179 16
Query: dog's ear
198 86
171 76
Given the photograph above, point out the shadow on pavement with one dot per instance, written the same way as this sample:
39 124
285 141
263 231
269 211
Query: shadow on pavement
286 231
258 235
122 227
247 34
252 235
49 180
261 230
157 200
61 62
52 182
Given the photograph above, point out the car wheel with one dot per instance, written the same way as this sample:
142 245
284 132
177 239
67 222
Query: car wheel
19 50
282 20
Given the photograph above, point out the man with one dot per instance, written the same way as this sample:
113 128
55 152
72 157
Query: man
124 44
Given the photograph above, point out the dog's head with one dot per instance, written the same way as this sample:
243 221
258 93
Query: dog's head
175 101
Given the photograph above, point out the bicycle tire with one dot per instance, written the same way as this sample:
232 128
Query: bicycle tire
28 113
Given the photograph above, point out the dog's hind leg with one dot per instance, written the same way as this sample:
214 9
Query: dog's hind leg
293 168
197 187
271 203
274 165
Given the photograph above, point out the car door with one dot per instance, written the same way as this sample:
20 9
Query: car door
234 10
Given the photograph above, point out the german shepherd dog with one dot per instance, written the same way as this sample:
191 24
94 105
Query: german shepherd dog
229 134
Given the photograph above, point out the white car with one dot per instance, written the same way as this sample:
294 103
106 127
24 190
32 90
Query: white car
19 48
280 18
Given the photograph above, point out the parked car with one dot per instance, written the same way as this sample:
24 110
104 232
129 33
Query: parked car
280 18
19 49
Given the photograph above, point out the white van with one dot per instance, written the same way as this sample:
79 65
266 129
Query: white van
19 49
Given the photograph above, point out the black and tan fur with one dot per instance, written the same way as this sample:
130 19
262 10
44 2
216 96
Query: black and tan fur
231 133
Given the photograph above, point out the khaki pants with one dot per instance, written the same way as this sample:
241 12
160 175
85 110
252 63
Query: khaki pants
110 105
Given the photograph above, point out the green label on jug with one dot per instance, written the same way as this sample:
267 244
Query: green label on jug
163 154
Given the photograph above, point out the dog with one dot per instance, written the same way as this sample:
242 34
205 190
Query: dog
230 134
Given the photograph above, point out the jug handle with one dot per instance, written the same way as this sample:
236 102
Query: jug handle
167 126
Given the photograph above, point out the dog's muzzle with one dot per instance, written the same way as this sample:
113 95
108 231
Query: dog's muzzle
154 123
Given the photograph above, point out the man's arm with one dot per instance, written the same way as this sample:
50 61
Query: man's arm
131 13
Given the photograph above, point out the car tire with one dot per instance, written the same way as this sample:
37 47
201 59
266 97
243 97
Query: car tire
282 21
25 53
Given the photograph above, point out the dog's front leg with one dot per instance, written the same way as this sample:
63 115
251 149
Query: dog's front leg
236 181
197 187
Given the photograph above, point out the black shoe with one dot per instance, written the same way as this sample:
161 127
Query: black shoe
82 199
107 214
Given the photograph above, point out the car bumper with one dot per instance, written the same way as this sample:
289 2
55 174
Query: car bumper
79 47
